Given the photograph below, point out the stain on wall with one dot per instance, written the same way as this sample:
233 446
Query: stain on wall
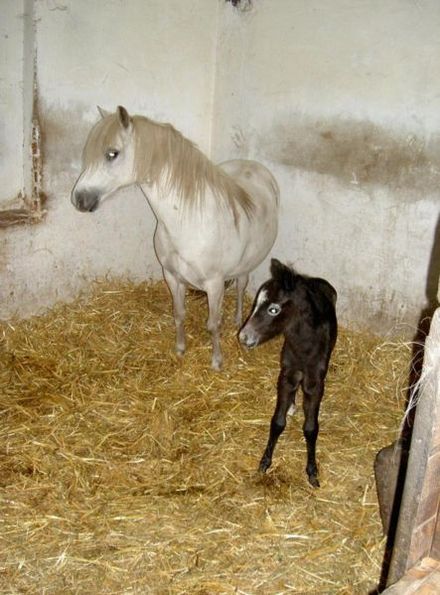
357 153
64 132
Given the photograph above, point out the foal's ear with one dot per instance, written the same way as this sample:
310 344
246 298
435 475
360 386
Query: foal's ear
123 116
283 274
102 112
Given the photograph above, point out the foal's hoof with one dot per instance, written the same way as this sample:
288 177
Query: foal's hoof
264 465
313 481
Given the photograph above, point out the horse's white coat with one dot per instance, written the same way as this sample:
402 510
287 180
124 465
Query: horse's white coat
203 243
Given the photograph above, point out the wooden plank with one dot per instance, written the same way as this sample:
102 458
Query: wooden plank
435 548
422 579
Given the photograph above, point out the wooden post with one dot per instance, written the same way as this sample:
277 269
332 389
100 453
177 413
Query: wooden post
418 525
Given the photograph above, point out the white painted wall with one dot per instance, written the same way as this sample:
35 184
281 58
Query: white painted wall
11 100
153 57
341 100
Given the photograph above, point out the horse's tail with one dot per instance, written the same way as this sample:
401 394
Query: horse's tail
275 189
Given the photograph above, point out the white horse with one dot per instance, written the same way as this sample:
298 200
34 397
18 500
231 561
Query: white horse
214 222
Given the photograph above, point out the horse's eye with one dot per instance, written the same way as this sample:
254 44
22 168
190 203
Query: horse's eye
274 309
111 154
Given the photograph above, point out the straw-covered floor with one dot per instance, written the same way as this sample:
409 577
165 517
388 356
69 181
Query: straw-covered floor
127 470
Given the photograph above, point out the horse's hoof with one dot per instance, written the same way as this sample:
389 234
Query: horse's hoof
180 351
217 362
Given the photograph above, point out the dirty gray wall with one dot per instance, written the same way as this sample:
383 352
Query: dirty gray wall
341 100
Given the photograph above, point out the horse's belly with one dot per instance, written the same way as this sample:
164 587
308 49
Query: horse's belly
184 263
197 260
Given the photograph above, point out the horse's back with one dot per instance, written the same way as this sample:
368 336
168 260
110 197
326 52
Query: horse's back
254 177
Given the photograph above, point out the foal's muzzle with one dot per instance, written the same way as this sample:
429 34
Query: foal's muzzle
248 338
85 201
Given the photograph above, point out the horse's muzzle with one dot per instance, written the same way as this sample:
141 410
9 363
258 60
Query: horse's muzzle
85 201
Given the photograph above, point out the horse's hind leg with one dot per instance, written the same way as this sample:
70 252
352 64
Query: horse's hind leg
177 289
242 281
215 290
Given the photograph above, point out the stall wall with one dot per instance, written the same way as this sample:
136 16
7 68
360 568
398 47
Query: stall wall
11 100
338 98
155 58
341 100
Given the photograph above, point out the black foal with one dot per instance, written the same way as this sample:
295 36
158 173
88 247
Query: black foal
303 309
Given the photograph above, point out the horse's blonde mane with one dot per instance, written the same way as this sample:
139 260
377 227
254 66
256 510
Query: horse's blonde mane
161 150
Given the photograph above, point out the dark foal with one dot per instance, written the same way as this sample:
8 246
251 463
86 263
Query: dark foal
303 309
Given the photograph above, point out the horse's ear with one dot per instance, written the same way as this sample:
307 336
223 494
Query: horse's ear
123 116
102 112
283 274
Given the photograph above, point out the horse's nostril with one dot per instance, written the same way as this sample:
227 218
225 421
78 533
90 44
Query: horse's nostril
86 202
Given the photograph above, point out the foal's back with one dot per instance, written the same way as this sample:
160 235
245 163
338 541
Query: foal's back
312 331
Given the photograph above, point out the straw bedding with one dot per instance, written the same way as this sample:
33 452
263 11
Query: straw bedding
125 469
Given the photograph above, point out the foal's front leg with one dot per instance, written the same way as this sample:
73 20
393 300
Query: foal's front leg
287 387
215 290
177 289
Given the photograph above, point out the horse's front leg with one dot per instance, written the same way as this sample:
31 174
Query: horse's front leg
177 289
242 281
215 290
287 387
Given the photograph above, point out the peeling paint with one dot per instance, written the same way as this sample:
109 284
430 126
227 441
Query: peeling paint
36 152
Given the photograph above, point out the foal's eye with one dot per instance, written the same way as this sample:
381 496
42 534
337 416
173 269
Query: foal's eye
274 309
111 154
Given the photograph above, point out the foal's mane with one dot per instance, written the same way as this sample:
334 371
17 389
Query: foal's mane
162 152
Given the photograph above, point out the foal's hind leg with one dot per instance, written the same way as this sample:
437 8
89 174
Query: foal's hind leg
287 387
242 281
177 289
215 290
313 389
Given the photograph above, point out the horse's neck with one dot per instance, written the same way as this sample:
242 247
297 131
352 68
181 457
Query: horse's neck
165 204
